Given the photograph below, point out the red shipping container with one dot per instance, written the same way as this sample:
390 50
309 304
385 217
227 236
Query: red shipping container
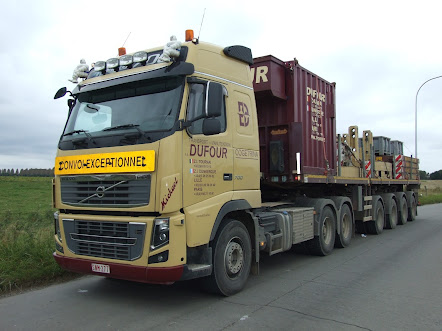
296 118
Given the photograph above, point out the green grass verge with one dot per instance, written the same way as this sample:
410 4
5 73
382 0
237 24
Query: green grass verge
430 199
26 234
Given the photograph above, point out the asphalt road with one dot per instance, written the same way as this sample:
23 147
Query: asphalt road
386 282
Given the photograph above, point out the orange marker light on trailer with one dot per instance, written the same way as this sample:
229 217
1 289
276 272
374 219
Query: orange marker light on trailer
189 35
121 51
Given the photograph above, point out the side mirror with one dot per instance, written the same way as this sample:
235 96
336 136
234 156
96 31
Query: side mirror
215 94
60 93
211 126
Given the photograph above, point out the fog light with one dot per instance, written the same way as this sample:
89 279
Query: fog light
159 258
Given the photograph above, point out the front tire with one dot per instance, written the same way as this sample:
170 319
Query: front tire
232 259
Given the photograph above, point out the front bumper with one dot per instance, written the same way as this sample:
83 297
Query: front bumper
165 275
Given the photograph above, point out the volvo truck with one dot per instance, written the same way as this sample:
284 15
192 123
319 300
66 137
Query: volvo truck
194 160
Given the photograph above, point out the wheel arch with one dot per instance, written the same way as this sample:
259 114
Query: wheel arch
234 207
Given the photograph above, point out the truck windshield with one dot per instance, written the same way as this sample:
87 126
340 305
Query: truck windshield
142 106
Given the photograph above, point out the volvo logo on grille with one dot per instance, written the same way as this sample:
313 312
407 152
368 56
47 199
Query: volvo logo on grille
100 191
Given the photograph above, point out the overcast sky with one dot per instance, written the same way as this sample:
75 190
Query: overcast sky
378 52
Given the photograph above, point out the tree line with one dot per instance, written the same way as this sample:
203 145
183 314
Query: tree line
433 176
34 172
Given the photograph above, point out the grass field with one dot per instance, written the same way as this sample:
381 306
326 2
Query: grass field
430 192
27 230
26 233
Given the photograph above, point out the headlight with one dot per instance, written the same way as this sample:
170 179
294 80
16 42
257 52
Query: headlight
57 226
160 233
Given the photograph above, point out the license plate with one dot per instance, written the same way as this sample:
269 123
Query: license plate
102 268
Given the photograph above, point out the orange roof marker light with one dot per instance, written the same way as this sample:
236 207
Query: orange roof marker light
189 35
121 51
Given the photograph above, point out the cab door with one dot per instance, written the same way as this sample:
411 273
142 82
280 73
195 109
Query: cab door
208 159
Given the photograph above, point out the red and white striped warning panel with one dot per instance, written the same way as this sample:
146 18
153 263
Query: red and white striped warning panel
367 169
398 167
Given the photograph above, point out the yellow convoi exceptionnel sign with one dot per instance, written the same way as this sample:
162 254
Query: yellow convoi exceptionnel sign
139 161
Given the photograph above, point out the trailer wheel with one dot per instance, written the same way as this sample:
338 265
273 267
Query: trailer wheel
412 211
403 211
344 237
232 259
323 243
391 218
376 226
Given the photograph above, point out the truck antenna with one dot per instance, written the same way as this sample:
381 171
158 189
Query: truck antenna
126 39
199 33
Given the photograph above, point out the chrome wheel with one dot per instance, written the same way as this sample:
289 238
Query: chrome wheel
234 257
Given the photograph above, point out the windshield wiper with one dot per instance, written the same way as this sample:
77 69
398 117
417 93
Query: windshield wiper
81 140
124 126
94 107
77 131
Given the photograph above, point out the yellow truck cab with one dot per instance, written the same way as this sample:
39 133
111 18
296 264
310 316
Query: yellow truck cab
149 164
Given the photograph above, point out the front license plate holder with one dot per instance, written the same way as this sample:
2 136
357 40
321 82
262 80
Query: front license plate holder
100 268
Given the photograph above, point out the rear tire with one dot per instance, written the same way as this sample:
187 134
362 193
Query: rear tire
232 259
346 220
391 218
377 225
402 211
412 211
323 243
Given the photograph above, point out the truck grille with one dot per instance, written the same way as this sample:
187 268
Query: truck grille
110 240
106 190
